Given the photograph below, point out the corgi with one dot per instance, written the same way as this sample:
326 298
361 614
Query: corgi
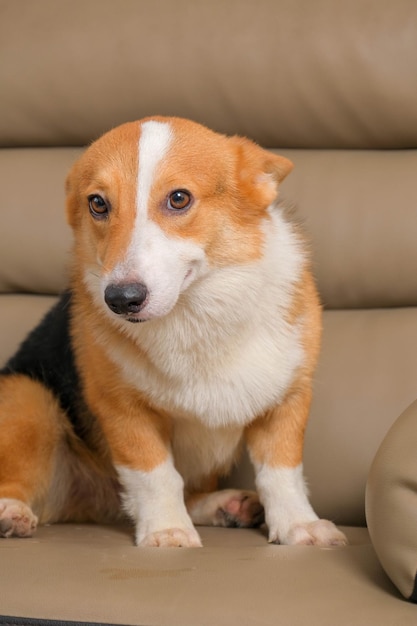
191 327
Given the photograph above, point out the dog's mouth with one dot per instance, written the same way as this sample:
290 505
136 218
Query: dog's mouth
135 320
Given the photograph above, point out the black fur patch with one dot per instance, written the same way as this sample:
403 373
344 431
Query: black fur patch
46 355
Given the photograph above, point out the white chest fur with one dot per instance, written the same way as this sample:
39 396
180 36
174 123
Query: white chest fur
226 352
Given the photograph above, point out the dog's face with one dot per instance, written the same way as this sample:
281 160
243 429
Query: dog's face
156 204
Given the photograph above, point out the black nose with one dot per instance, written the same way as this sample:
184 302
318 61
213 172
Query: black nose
125 298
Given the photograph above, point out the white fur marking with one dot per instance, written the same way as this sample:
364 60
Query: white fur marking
154 143
155 500
200 451
164 264
283 492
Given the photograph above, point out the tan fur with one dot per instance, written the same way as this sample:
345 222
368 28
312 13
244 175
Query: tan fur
120 408
30 433
234 183
234 194
55 474
109 168
277 438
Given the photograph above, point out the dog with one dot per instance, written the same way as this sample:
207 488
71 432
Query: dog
191 327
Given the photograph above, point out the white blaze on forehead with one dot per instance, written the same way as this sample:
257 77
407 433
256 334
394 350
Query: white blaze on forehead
154 142
165 264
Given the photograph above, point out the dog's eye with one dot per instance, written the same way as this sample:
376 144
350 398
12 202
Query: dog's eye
98 207
179 199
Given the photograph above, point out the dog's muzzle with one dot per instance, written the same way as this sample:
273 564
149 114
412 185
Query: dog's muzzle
126 299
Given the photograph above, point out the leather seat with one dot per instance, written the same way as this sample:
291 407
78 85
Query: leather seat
333 87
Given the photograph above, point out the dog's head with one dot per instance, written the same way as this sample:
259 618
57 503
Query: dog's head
155 204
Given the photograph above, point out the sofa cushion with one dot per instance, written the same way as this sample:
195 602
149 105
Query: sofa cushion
96 574
357 208
391 503
359 211
303 74
34 237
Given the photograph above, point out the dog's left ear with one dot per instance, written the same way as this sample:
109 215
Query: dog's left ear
260 172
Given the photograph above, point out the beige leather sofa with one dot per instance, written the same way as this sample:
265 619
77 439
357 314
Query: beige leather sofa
332 85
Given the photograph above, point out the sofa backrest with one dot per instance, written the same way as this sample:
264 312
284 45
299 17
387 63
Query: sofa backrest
295 74
331 85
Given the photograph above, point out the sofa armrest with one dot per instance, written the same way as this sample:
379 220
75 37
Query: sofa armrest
391 503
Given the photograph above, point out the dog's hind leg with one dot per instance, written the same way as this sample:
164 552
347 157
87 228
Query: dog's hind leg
228 507
29 435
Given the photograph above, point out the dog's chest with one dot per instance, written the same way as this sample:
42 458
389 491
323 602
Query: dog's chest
227 352
217 379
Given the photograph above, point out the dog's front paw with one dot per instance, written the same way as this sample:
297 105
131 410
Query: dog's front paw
317 533
171 538
16 519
